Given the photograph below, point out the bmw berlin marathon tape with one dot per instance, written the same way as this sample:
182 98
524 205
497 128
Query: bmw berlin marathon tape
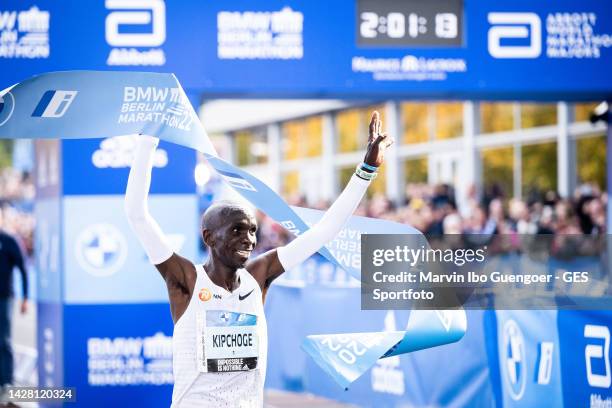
93 104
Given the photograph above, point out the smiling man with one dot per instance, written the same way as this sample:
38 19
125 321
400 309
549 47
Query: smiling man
220 334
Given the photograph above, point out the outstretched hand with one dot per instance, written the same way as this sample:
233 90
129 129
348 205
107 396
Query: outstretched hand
378 142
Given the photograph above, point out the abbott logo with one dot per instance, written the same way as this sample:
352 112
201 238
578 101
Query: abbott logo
527 26
596 351
136 33
54 104
155 15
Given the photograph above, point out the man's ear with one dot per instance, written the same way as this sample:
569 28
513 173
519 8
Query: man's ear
208 237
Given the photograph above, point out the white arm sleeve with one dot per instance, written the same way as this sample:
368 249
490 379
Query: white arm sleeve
147 230
298 250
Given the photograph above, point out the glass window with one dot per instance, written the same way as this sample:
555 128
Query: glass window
251 147
538 114
290 183
582 111
415 170
6 151
449 120
352 127
539 164
496 117
414 122
591 160
377 186
498 169
302 138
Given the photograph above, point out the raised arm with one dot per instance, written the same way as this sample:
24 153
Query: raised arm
270 265
178 272
147 230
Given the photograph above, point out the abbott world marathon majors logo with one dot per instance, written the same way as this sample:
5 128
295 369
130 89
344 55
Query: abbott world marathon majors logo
136 29
521 35
514 360
101 250
24 33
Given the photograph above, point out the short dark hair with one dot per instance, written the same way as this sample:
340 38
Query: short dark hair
214 215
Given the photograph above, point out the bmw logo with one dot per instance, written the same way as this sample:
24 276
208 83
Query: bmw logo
7 106
514 360
101 250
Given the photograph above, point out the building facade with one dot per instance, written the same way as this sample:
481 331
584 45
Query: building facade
310 148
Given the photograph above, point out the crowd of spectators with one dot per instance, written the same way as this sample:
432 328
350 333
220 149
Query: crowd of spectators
434 209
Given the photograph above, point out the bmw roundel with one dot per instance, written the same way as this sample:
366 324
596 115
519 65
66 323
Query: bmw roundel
514 360
7 106
101 249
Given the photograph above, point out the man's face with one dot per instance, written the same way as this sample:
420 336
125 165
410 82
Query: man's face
235 239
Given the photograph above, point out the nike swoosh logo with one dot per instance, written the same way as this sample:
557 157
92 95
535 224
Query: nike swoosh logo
240 297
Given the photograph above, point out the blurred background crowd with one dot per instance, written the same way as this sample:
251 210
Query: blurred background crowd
17 207
433 210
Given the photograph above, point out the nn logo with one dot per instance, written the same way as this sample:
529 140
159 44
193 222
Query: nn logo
54 104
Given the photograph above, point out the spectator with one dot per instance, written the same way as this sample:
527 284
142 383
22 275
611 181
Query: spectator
10 257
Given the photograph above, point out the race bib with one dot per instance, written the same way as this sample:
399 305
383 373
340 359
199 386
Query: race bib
227 341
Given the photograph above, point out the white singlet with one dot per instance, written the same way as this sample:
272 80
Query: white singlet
194 388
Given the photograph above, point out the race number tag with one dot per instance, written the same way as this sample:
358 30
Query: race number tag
227 341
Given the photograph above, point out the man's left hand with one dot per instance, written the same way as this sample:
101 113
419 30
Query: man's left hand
378 142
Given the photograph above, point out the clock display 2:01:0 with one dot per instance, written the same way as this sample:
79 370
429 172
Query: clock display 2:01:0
412 22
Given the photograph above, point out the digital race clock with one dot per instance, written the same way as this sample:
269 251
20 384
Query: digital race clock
410 22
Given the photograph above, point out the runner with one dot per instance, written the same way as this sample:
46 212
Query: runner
220 333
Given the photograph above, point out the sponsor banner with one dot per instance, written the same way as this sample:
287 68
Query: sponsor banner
585 358
108 161
510 49
125 356
49 340
47 247
529 363
391 381
47 170
105 263
24 32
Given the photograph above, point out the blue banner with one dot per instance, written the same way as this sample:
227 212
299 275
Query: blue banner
125 356
100 250
108 161
510 49
585 358
529 364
